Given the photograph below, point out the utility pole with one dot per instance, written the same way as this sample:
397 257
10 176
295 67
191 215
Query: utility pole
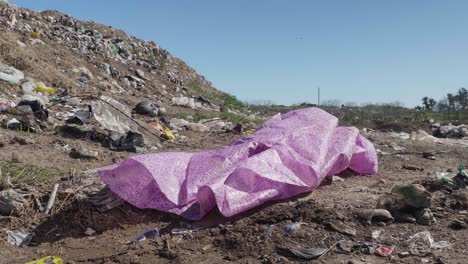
318 98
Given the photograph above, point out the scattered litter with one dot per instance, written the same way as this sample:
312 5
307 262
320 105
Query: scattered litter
293 227
423 136
455 181
147 108
32 106
341 228
207 247
376 234
395 146
112 115
401 135
47 260
197 127
14 124
79 117
458 225
11 201
50 202
22 141
83 80
413 168
42 88
450 131
384 251
105 199
150 234
156 125
178 123
269 230
5 105
116 117
421 244
35 34
89 231
337 178
350 247
125 142
301 253
404 254
19 238
168 134
248 132
409 203
83 153
10 74
185 102
186 233
140 74
429 155
425 217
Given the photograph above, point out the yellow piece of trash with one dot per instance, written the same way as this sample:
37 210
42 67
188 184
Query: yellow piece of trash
248 132
42 88
205 248
47 260
168 134
35 34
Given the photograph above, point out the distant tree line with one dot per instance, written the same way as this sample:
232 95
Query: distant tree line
454 106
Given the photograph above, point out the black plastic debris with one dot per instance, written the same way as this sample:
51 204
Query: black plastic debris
203 100
79 118
36 107
147 108
125 142
76 132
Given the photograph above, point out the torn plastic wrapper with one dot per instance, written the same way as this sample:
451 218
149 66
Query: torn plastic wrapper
116 117
10 74
18 238
422 244
290 154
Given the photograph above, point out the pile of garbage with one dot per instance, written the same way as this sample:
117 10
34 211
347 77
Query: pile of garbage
113 65
423 136
121 63
450 131
102 119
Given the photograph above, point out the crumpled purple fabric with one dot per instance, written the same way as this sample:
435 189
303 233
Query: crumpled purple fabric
290 154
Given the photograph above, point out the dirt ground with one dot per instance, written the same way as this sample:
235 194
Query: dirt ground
38 161
242 239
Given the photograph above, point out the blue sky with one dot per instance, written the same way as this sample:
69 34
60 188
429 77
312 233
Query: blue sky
281 50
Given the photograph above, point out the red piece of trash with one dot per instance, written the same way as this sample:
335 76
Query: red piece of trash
384 251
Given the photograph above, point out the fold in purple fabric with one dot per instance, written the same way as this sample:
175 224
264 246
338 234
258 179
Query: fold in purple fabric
288 155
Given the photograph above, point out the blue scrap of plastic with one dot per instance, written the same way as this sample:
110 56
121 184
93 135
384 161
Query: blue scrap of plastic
150 234
290 228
